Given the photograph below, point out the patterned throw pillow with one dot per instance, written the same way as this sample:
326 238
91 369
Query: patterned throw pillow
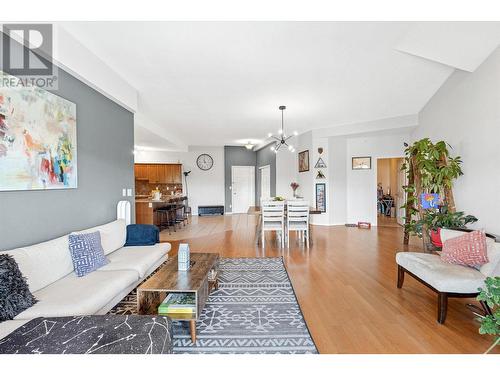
86 252
469 249
15 296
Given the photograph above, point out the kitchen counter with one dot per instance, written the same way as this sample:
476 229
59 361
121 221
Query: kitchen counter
162 200
145 207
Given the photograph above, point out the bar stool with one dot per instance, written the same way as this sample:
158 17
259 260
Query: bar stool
186 211
163 218
179 211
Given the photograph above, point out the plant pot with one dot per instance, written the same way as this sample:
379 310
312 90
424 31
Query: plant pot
436 237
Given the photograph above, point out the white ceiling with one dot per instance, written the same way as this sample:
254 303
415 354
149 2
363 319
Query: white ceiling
220 83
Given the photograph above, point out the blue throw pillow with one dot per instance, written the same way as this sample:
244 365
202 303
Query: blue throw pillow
86 252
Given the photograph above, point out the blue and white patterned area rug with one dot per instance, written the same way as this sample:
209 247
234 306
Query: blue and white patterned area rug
253 311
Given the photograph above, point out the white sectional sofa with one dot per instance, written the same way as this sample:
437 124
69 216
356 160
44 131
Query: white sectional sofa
49 271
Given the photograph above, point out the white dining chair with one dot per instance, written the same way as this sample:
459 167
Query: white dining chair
298 219
273 219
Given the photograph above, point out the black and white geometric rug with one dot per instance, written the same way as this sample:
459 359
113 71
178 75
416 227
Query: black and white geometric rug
253 311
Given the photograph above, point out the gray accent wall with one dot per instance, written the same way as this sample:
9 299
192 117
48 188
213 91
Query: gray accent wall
239 155
265 156
235 155
105 141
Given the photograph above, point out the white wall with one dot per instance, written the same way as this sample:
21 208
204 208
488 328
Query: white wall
79 61
304 179
204 187
465 112
362 184
323 218
337 176
286 171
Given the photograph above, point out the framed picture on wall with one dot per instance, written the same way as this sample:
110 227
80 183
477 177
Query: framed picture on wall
304 161
362 162
321 197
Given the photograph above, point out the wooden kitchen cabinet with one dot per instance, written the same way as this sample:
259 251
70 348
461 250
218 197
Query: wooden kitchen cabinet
162 173
159 173
153 173
176 173
141 172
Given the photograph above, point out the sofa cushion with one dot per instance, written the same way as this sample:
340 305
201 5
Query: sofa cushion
15 296
469 249
86 252
35 260
444 277
138 258
113 235
73 295
492 268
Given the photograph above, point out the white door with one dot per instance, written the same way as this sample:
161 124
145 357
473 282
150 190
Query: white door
265 182
243 188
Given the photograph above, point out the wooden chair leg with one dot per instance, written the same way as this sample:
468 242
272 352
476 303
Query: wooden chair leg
401 276
442 307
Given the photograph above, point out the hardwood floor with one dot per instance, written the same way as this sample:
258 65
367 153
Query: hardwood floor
346 287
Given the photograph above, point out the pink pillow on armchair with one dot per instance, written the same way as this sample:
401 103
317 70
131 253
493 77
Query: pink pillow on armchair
469 249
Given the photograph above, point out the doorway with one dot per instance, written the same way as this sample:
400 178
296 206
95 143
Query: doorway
242 188
390 193
265 182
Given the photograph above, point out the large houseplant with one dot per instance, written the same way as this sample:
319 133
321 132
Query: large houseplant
490 324
430 169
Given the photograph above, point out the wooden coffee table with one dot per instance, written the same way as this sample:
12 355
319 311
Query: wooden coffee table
169 279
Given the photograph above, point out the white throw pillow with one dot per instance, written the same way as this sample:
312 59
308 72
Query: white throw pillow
492 268
113 235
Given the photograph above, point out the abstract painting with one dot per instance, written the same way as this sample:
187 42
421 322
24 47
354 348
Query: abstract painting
37 139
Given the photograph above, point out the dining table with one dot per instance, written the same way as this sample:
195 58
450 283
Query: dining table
255 210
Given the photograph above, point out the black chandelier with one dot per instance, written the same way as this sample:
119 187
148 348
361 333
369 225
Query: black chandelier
282 137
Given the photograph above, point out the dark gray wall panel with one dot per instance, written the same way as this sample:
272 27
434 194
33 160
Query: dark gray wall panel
265 157
235 155
105 141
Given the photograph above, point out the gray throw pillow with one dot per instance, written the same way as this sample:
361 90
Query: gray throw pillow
15 296
86 252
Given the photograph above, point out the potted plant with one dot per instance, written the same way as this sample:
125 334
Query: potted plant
490 324
294 187
430 170
434 220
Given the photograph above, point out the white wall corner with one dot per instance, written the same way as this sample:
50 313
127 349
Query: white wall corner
460 45
79 61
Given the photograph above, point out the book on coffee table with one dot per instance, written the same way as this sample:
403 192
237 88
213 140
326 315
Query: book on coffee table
178 303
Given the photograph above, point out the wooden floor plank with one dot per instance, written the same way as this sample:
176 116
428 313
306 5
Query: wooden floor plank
346 287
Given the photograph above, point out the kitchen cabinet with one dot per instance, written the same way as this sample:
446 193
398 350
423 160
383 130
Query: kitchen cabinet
153 173
141 172
176 173
159 173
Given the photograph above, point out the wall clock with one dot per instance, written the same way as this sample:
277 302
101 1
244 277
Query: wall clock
204 162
